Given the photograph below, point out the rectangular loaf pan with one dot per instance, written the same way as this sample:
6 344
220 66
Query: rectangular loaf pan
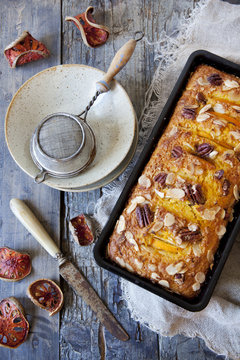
233 228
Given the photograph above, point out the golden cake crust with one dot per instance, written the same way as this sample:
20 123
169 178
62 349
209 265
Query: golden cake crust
177 213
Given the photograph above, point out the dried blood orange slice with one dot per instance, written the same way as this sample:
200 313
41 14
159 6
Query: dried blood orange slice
14 265
81 229
93 34
25 49
13 325
47 295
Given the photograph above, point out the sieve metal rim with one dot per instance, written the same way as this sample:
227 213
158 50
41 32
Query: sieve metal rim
40 177
37 142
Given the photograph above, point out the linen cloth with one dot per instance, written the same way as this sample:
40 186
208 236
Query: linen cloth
214 25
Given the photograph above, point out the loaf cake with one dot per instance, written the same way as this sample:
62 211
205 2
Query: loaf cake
178 211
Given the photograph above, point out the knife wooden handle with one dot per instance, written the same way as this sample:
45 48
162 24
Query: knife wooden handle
32 224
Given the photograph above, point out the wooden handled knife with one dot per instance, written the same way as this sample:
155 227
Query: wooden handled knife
67 270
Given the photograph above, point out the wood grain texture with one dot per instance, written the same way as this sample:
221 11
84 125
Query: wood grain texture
81 335
42 19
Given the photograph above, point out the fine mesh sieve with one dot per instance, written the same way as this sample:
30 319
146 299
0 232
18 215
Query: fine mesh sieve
61 137
63 144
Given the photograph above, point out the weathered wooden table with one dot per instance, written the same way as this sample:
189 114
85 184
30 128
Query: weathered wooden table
76 334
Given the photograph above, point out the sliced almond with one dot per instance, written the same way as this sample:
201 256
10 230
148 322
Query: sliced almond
213 154
144 181
202 81
170 179
222 214
236 192
196 286
209 214
231 84
130 239
200 277
219 108
121 224
164 283
198 171
197 250
157 226
138 263
159 193
138 199
180 179
202 117
169 219
173 269
128 267
131 208
155 276
134 202
237 148
175 193
221 231
235 134
221 123
152 267
205 108
189 146
237 108
173 131
210 256
120 261
193 227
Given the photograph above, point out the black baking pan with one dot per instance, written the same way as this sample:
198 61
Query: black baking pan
233 228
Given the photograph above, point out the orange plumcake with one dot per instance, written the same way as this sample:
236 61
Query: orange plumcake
177 213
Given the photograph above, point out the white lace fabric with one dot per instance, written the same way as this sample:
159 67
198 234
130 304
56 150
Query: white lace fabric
214 26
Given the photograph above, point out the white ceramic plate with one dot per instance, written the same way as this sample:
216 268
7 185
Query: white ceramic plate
69 88
112 176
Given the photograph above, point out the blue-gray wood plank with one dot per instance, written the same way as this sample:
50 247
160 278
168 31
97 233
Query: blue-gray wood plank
42 19
81 336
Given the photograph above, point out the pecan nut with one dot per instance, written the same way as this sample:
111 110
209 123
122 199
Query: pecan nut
215 79
179 278
161 178
225 187
177 152
187 235
194 194
188 113
219 174
201 98
144 215
203 150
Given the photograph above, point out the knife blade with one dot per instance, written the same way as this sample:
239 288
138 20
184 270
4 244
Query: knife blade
67 270
78 282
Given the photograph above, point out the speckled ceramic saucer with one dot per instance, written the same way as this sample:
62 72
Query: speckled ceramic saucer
69 88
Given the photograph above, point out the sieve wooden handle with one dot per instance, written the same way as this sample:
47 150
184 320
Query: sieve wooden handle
119 61
33 225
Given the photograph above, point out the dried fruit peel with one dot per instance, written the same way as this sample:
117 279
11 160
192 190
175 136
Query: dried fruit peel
47 295
93 35
80 227
14 327
14 265
24 50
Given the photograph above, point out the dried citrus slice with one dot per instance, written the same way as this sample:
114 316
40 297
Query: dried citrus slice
14 265
24 50
47 295
93 34
81 229
13 325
